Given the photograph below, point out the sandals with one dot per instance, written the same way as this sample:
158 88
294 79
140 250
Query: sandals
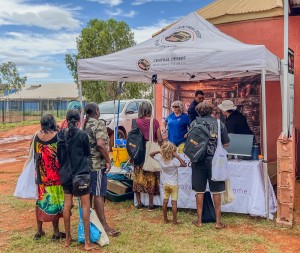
38 236
112 232
140 207
58 237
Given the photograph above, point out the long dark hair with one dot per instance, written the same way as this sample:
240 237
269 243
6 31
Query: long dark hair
90 111
48 123
73 117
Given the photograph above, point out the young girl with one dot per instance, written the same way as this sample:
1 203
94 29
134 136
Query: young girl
169 162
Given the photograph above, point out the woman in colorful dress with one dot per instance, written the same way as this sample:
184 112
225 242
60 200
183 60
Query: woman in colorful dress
146 181
49 206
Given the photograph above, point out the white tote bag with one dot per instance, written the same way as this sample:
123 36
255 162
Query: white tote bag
26 187
219 171
227 196
151 146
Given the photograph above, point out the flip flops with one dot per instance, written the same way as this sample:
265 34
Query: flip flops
112 232
38 236
58 237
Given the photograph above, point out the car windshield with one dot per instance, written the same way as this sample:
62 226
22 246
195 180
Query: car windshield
108 107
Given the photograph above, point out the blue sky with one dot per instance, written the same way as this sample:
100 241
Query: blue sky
36 34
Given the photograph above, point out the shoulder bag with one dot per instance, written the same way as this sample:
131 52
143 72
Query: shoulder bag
219 170
151 146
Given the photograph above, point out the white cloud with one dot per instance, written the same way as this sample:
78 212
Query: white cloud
36 55
143 33
140 2
18 12
121 13
108 2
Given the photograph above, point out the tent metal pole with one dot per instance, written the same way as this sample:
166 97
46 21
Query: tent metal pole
285 70
154 102
80 99
265 147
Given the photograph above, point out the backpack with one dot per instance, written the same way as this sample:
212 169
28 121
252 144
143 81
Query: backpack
136 144
197 141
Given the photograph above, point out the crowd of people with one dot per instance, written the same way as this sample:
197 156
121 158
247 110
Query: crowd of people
79 149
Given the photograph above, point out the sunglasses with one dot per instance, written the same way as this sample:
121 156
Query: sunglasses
175 106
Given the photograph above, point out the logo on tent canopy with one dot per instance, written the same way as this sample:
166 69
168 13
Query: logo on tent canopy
179 36
144 64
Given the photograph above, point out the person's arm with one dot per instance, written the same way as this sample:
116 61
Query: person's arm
182 163
152 154
224 136
102 148
159 137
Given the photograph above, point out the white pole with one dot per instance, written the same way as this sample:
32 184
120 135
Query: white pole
285 70
265 146
154 102
80 100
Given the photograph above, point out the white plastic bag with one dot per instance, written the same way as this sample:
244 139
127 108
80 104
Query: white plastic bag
151 146
26 187
104 240
219 171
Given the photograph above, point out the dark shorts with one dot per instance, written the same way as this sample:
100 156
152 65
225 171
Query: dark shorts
201 173
99 183
68 189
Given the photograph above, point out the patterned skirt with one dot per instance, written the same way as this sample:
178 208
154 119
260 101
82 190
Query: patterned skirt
49 206
145 181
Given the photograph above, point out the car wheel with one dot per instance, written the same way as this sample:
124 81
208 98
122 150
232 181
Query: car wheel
121 135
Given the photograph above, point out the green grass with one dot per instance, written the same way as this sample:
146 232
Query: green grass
142 231
7 126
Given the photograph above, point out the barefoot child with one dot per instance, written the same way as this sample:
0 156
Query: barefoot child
169 162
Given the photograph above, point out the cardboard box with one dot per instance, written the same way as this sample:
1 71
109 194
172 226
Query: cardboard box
117 187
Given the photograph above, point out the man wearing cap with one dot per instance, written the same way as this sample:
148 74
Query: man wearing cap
199 97
235 122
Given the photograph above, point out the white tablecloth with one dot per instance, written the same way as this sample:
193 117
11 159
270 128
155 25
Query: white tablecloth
247 184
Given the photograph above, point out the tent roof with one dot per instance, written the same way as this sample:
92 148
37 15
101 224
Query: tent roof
226 11
192 49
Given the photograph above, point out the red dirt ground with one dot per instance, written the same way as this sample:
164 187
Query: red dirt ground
12 157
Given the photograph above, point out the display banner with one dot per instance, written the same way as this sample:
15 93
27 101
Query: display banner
247 184
291 82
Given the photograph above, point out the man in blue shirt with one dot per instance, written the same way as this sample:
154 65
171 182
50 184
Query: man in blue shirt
199 97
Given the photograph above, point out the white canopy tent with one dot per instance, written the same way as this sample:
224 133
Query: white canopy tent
190 50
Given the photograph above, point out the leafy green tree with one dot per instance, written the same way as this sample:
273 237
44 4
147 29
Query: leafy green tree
10 78
100 38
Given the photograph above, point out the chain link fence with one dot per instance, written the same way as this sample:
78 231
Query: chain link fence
27 110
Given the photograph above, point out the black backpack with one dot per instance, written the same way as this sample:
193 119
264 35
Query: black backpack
136 144
197 141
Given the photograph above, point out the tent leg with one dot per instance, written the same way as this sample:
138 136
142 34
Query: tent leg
154 102
265 150
80 97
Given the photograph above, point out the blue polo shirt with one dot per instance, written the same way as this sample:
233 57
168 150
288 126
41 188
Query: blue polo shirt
177 127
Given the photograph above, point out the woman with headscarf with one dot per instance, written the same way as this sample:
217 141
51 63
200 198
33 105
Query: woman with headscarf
49 206
73 105
146 181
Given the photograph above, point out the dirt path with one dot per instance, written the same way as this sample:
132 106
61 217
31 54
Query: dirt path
14 147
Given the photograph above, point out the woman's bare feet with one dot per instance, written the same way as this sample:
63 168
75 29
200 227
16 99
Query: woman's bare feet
68 241
89 246
220 225
167 221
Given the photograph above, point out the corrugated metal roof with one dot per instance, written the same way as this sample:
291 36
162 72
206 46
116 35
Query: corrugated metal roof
233 7
46 91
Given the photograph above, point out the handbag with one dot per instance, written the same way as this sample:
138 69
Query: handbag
26 187
80 183
151 146
219 170
95 233
227 196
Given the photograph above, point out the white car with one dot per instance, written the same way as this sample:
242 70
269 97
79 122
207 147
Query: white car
128 111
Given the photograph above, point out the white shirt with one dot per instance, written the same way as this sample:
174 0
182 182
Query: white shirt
169 170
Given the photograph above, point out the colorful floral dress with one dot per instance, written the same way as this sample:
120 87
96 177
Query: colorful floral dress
49 206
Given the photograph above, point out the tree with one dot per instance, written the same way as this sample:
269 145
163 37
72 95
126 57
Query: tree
10 78
100 38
